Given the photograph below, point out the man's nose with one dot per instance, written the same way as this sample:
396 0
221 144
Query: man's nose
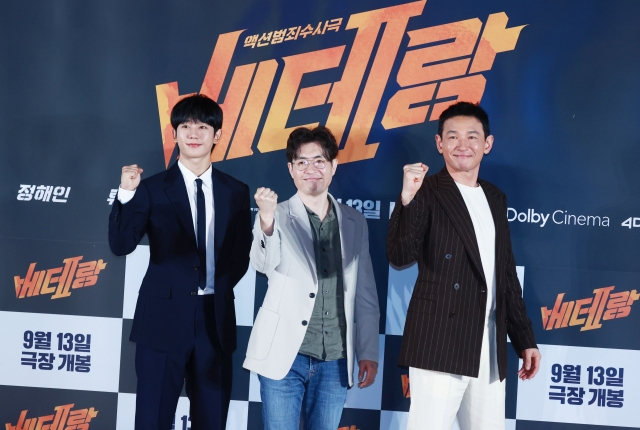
311 168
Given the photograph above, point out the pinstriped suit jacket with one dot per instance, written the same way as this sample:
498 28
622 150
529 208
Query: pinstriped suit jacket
444 326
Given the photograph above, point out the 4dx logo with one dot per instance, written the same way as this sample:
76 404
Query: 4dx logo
631 222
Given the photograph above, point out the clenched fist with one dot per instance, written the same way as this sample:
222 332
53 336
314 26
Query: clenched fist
267 201
413 176
130 178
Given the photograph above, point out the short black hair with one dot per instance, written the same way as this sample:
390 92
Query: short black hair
465 109
321 135
197 108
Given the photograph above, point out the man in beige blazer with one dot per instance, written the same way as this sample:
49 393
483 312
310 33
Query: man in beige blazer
321 306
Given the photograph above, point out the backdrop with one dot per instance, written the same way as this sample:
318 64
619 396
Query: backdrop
87 87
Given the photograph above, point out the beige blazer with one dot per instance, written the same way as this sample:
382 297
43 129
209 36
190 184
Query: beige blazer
287 258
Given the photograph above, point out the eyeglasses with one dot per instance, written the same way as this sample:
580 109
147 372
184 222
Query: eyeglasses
304 164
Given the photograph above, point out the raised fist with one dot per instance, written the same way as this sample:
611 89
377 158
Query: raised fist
413 176
130 178
267 201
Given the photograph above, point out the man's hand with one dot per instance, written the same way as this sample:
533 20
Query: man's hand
531 363
413 176
130 178
267 202
367 373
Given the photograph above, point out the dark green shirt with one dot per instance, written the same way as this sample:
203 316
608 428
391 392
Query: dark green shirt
327 330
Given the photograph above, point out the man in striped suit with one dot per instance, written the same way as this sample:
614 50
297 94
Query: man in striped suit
467 297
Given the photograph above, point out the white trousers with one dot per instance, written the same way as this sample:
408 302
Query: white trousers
437 397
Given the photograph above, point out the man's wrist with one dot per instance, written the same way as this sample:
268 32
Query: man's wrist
266 224
127 189
406 198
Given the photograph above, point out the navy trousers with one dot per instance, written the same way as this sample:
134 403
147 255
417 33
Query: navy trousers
199 363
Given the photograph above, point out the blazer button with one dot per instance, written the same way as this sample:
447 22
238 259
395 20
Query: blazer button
456 286
483 291
452 314
312 295
194 293
304 322
448 256
196 268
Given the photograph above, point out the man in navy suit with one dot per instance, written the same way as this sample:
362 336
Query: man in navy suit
198 222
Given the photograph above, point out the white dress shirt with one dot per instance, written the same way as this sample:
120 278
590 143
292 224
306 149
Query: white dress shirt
189 177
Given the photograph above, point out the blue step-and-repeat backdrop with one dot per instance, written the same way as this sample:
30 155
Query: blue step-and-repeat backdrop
87 87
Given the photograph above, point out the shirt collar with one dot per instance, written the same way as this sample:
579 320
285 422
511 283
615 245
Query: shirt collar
330 215
190 177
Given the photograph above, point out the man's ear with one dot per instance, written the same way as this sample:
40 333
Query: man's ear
216 139
439 143
175 140
488 144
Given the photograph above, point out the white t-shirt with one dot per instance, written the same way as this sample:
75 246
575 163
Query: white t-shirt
478 208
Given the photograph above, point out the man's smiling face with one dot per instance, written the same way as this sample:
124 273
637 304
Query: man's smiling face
463 144
196 139
313 180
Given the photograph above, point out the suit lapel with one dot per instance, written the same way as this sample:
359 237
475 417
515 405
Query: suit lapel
177 193
346 225
498 215
453 204
222 205
302 228
494 204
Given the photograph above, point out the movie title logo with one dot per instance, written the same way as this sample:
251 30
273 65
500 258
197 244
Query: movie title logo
559 217
406 389
588 313
62 418
59 281
438 66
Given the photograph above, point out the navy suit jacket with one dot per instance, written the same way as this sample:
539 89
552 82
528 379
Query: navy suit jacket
164 315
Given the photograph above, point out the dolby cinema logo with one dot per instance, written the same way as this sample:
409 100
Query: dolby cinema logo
558 217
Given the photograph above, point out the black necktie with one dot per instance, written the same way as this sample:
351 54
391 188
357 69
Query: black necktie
201 232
